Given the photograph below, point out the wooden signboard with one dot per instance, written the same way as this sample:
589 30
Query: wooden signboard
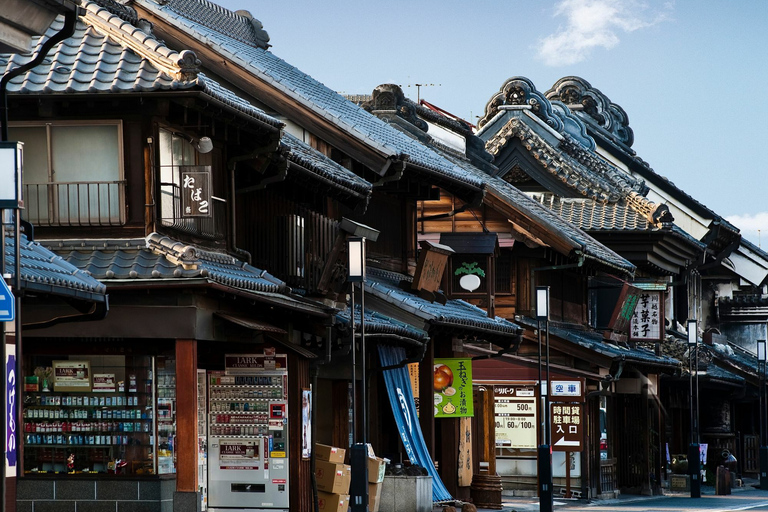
431 265
648 318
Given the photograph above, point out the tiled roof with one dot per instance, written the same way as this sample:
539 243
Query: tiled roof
378 323
161 258
733 356
239 25
43 271
305 90
594 341
592 215
308 158
591 248
457 314
109 55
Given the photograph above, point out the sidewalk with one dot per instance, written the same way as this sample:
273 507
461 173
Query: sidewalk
512 504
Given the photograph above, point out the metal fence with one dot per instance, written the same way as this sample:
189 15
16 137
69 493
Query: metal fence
80 203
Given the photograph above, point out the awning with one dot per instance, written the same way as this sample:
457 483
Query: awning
270 332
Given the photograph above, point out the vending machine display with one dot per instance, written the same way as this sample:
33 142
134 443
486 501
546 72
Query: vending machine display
248 435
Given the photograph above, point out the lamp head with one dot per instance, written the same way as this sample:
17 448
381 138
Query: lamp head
542 302
693 333
356 251
204 145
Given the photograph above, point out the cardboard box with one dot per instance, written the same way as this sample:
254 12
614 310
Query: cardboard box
329 502
374 497
376 469
329 453
332 478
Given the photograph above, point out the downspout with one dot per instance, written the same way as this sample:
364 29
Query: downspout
231 167
70 22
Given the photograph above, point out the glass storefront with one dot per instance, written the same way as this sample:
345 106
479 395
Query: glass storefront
99 414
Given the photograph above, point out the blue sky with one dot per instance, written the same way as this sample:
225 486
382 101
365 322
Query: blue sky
690 74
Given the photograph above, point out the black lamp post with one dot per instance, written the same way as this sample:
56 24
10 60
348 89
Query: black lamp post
761 357
694 461
358 488
544 451
11 159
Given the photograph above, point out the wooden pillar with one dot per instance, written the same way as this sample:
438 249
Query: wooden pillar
186 416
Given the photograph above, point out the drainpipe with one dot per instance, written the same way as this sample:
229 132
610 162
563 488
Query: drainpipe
70 21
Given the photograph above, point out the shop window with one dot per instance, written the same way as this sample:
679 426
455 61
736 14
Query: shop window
73 173
96 414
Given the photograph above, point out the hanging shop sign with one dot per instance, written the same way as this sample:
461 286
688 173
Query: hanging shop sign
11 432
72 376
452 382
567 391
567 420
514 411
195 192
648 319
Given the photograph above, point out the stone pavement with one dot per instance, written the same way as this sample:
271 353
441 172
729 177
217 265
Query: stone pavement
520 504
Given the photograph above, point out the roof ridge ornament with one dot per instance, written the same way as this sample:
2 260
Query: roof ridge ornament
580 96
520 91
181 66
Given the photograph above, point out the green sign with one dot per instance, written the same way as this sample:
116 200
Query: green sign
453 388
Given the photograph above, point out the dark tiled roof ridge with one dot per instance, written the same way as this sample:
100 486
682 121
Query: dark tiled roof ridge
320 99
245 29
306 156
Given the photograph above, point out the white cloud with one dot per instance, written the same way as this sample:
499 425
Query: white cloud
752 226
595 23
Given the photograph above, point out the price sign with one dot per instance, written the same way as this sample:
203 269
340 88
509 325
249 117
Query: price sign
515 415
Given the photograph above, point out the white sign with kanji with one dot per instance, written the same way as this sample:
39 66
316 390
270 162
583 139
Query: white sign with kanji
648 319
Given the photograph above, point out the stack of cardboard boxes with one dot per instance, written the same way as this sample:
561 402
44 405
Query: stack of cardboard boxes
376 468
332 477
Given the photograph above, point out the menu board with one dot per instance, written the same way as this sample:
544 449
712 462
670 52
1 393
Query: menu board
72 376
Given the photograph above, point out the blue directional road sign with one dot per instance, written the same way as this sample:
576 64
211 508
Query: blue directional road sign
7 303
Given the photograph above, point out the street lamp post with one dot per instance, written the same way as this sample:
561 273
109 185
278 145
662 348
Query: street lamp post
544 451
358 488
694 460
761 358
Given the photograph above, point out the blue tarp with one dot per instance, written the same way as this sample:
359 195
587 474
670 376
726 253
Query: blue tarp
403 407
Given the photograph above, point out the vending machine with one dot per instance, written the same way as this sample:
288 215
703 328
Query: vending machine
248 434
